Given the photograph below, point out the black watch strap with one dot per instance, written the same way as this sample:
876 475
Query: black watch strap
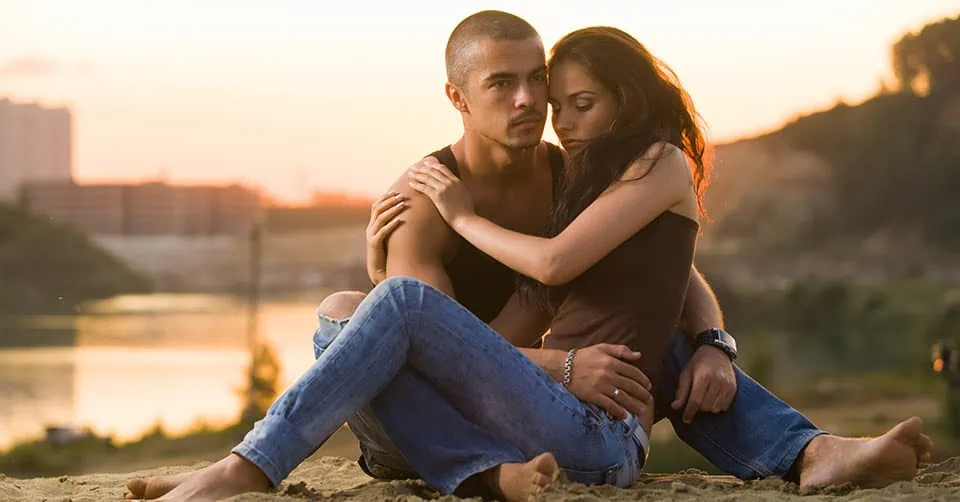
717 338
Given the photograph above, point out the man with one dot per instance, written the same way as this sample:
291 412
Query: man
497 81
495 69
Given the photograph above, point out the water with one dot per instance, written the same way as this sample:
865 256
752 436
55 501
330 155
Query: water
129 363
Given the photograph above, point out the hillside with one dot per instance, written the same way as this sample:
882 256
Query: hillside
47 267
872 184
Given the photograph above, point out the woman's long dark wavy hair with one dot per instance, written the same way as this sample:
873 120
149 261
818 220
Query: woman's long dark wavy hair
653 108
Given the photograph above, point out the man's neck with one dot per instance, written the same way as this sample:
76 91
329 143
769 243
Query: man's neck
489 163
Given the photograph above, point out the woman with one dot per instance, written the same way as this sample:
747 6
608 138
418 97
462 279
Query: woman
629 189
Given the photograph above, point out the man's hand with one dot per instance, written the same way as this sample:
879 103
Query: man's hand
708 383
599 369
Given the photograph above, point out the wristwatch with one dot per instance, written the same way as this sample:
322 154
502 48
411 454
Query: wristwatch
717 338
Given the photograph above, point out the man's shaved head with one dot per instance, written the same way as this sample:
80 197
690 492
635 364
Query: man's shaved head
492 24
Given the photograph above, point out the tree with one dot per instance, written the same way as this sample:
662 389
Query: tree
261 390
928 62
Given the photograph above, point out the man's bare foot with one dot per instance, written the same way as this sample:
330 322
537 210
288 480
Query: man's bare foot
866 463
156 486
230 476
518 482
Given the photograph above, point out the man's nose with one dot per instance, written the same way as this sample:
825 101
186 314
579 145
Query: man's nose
525 97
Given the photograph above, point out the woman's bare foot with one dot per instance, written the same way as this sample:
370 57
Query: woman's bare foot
518 482
867 463
156 486
230 476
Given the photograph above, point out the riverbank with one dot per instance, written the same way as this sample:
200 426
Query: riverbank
96 455
49 267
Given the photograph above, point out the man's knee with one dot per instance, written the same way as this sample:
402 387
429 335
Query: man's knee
341 304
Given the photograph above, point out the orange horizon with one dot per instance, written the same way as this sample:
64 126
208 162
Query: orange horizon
293 100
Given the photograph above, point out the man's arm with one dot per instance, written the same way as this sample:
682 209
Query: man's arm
521 323
701 310
419 248
708 382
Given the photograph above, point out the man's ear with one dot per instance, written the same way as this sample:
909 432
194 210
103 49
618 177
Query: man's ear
456 97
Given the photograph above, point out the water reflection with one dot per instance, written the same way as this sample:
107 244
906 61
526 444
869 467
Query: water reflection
131 362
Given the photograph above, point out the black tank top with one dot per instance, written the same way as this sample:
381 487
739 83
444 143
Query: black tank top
483 285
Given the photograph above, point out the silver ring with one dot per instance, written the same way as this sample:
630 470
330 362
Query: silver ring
616 392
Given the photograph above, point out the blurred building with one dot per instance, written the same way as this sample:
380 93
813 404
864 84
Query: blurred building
35 144
146 208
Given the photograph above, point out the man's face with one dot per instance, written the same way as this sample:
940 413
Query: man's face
506 91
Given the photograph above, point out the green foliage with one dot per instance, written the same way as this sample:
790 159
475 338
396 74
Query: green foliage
48 267
41 458
929 57
832 327
261 391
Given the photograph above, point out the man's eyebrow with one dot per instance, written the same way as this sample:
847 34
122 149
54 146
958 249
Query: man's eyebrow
500 75
505 75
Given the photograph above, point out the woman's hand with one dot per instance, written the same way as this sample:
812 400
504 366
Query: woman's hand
447 192
383 221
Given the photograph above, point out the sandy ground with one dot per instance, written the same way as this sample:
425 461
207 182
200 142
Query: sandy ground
339 478
332 473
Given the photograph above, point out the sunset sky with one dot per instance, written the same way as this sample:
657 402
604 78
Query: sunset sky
301 95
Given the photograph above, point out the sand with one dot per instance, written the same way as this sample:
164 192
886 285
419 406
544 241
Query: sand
339 478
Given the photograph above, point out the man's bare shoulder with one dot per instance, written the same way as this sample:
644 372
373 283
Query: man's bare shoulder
423 228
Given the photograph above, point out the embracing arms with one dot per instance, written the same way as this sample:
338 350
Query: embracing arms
406 236
619 212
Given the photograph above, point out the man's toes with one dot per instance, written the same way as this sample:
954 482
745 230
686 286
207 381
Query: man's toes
137 487
540 480
912 427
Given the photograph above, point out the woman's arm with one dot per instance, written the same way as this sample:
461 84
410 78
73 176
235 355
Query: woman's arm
618 213
597 369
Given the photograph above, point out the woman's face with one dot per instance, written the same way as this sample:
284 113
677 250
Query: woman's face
583 108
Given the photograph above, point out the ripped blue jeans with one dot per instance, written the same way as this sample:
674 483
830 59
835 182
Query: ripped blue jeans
758 436
454 396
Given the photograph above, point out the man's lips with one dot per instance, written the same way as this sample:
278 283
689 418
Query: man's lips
527 120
